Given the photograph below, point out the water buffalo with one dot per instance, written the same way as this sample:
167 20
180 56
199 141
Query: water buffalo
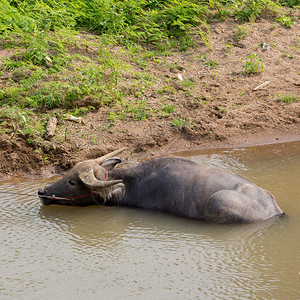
174 185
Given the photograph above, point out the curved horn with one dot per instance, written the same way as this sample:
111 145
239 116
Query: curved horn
89 179
112 154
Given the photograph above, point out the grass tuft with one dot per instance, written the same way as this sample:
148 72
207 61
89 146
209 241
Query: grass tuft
287 98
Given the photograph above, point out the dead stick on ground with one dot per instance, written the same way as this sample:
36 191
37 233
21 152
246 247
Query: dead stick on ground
261 85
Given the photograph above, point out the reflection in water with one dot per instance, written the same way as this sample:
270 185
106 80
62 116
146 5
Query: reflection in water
116 253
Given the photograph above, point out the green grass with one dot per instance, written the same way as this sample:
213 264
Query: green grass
253 64
241 32
70 56
170 108
166 90
23 122
206 61
287 98
250 10
131 110
151 22
189 83
138 110
180 123
285 21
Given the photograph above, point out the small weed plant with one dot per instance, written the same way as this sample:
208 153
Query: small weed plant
228 46
241 32
253 64
181 123
207 62
23 122
139 110
170 108
166 90
285 21
189 83
249 10
287 98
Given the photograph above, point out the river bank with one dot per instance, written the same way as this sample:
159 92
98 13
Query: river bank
18 160
243 90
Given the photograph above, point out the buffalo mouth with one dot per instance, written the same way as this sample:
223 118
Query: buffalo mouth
45 201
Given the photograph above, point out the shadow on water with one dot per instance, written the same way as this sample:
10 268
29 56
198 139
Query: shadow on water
104 222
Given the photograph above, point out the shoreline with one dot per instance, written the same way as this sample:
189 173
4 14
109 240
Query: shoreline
248 140
182 146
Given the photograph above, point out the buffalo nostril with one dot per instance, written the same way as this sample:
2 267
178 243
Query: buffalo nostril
42 192
42 195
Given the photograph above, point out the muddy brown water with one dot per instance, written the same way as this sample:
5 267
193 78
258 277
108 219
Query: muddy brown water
60 252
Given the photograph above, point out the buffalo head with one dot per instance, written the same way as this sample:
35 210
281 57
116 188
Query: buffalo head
88 183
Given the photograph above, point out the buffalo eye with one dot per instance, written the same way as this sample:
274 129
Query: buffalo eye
71 182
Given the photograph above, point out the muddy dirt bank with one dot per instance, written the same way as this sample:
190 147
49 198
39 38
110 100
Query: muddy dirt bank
19 159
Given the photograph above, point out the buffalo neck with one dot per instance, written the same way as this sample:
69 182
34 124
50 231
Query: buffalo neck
130 176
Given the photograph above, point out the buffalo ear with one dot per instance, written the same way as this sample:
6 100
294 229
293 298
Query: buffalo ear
101 159
110 163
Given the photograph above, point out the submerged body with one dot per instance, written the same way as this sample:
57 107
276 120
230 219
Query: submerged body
174 185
